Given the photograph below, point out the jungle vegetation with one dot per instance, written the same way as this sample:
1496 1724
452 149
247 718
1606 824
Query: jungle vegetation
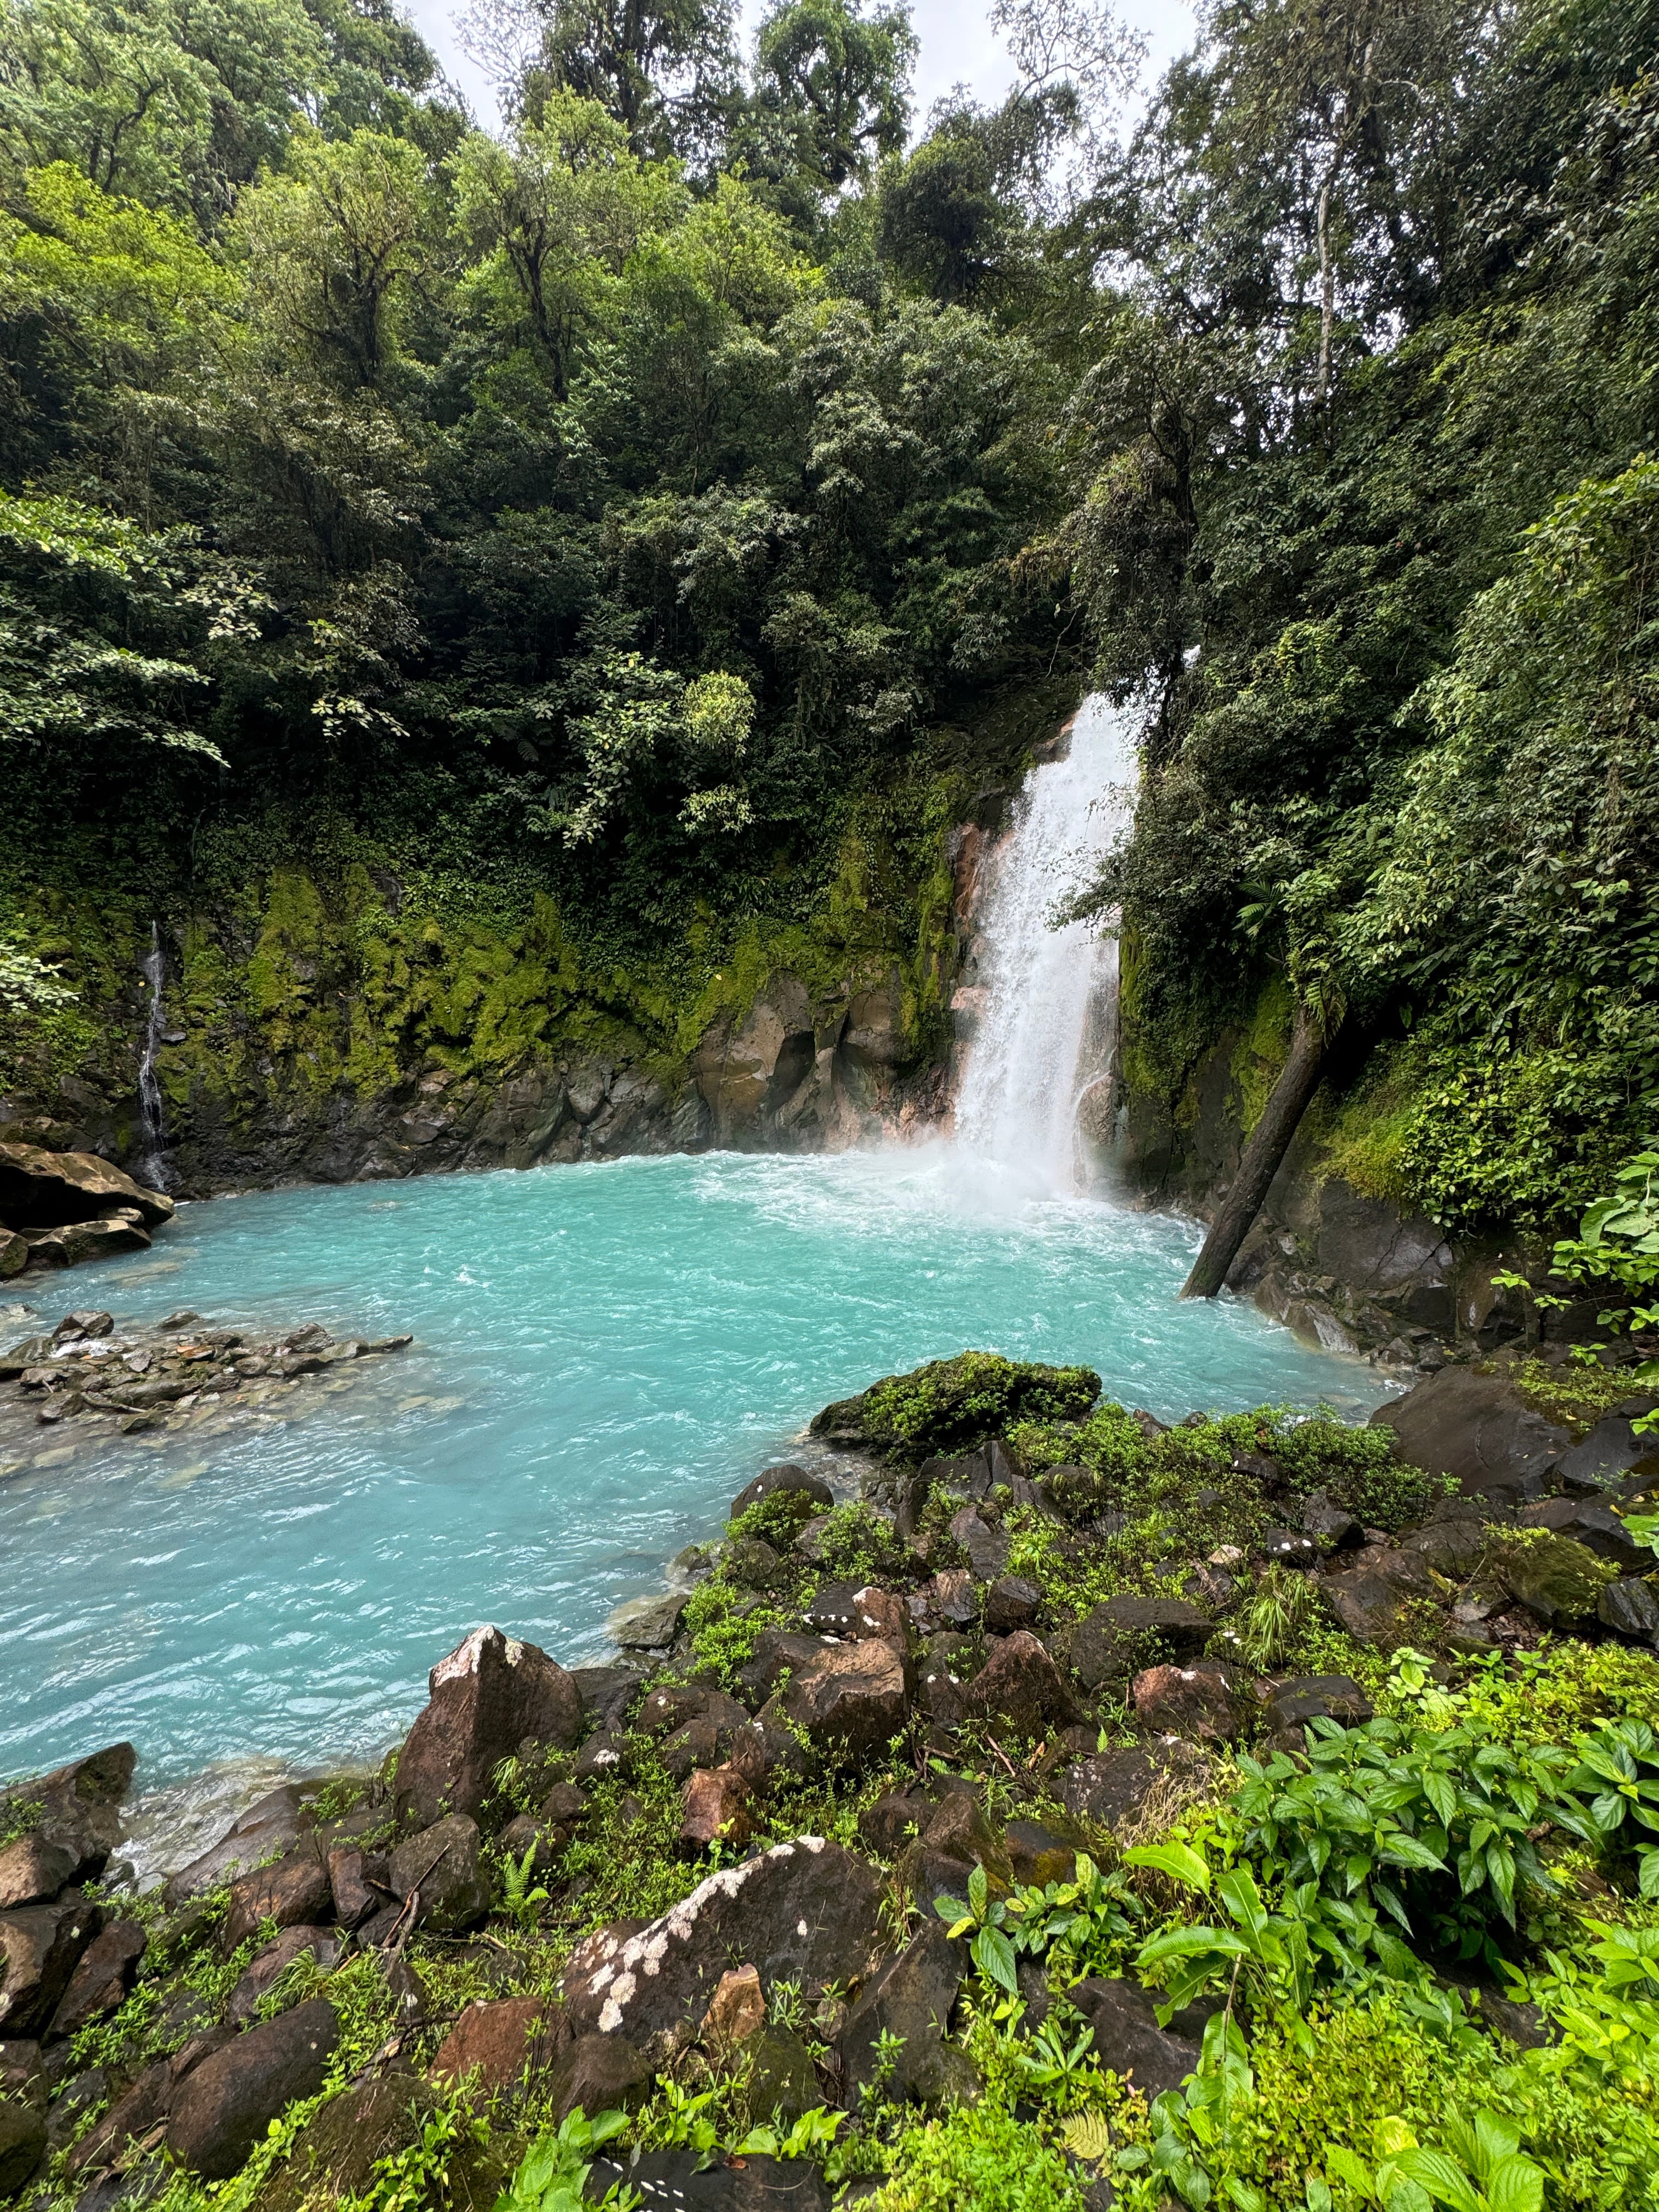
613 498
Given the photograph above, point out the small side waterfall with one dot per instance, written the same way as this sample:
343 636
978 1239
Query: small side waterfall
152 1167
1047 1027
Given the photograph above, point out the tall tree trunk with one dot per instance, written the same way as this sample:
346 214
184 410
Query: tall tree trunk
1268 1143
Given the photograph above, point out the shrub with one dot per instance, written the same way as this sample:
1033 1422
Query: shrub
978 2155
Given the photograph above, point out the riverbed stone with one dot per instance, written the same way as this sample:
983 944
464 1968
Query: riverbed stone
225 2105
334 2154
273 1825
1373 1598
715 1808
806 1911
1556 1579
1593 1523
777 1651
1011 1602
487 1697
911 1997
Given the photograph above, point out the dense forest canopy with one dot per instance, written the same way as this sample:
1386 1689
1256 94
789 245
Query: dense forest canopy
618 496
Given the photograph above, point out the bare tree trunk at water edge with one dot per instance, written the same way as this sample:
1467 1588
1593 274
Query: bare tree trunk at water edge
1268 1143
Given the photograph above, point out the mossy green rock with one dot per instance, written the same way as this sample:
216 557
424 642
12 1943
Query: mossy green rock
1558 1580
950 1404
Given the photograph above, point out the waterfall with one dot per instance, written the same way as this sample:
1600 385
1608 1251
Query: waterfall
151 1168
1048 1021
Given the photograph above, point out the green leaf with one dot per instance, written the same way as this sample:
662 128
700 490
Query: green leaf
978 1891
1175 1860
1444 2178
994 1954
1514 2185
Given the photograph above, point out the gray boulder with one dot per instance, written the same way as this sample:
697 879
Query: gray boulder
911 1997
1104 1644
443 1863
40 1947
1478 1429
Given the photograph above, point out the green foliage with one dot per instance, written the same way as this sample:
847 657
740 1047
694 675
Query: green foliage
1276 1620
724 1624
978 2155
551 2176
857 1546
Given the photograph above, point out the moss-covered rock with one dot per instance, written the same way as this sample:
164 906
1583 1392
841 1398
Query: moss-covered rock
951 1405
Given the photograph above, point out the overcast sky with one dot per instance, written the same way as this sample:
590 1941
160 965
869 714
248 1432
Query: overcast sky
958 47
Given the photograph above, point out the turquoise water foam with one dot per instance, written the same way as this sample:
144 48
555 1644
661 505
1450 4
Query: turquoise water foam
604 1355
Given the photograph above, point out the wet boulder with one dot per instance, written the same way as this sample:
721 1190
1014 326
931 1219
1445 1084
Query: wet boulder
266 1968
41 1189
1333 1525
294 1892
648 1624
986 1541
677 2181
1104 1642
498 2044
812 1489
849 1699
487 1697
1631 1610
1011 1602
104 1973
76 1809
273 1825
806 1911
1556 1579
1019 1688
597 2073
1479 1430
715 1808
33 1870
225 2105
1374 1598
1128 2040
1593 1523
22 2143
40 1947
777 1651
443 1866
783 2082
1307 1698
1203 1703
335 2153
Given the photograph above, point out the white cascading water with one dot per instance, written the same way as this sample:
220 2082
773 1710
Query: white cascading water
151 1170
1048 1015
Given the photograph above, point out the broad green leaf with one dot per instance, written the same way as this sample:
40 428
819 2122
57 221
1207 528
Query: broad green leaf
1180 1863
1444 2178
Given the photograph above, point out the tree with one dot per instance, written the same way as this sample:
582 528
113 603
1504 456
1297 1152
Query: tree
832 88
562 205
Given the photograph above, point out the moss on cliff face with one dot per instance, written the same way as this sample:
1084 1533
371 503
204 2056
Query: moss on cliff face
298 976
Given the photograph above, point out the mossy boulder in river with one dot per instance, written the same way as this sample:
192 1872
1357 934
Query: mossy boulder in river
950 1404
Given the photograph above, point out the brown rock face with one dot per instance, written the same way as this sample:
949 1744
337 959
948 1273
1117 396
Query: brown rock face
851 1698
716 1807
295 1893
1019 1685
910 1998
737 2009
1202 1703
486 1698
33 1870
41 1946
805 1911
43 1190
225 2105
101 1981
500 2044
